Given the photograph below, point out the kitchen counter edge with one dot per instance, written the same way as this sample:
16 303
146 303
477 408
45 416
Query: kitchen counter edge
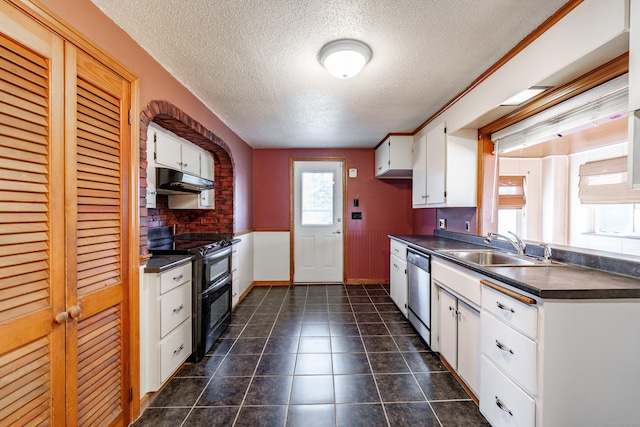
554 282
162 263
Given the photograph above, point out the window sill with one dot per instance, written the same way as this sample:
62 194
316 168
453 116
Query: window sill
614 236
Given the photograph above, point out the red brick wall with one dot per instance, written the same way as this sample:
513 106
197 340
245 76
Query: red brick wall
218 220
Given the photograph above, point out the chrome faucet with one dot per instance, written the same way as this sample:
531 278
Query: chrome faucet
517 243
547 252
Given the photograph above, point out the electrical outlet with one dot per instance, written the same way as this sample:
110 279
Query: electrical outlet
467 226
442 223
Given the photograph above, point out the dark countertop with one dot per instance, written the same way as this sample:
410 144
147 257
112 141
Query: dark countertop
552 282
161 263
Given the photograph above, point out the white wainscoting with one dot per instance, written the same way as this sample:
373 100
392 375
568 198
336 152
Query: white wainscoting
271 256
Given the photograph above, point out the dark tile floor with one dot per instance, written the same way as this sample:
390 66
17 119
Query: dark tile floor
321 355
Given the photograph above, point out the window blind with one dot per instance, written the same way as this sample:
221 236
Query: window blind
511 192
605 182
606 102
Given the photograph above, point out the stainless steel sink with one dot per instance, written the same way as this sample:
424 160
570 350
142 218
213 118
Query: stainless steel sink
488 258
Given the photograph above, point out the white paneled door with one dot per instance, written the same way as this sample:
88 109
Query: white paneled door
318 222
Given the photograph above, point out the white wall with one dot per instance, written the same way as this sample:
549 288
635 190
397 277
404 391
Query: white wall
554 202
271 256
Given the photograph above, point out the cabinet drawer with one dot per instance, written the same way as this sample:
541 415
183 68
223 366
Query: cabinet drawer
175 277
175 308
511 351
235 263
399 249
175 349
516 314
502 402
461 282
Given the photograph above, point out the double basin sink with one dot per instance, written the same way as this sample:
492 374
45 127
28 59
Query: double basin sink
492 258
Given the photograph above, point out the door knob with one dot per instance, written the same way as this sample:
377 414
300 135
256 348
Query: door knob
337 232
74 311
62 317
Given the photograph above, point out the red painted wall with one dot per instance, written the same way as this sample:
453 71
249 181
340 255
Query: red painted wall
158 84
385 205
426 220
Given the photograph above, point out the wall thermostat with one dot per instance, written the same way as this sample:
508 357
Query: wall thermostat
353 173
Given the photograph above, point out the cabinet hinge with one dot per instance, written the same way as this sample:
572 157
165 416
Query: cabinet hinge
389 162
155 137
130 394
445 130
445 194
129 116
155 156
405 271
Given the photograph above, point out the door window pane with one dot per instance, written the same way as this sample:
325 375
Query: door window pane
317 198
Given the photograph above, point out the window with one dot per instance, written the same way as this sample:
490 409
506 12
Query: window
619 220
511 202
317 198
616 208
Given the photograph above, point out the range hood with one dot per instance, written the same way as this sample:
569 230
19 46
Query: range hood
169 181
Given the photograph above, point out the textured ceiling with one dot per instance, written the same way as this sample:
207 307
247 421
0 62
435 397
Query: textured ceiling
254 62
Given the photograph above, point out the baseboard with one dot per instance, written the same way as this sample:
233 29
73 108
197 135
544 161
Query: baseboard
246 291
271 283
366 282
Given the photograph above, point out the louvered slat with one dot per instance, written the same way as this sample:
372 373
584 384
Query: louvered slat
24 384
97 400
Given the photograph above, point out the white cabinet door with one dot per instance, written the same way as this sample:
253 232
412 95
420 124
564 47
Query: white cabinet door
469 345
190 160
151 171
167 151
382 158
206 166
448 328
398 283
419 173
436 165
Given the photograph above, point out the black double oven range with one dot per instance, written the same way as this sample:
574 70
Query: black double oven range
211 281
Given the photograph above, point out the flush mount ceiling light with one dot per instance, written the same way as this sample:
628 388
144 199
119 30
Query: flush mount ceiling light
525 95
344 58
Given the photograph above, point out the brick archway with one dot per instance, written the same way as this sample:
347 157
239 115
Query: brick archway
220 220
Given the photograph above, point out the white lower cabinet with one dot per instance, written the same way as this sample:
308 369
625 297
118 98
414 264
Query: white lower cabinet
165 325
459 318
235 273
459 337
398 285
502 402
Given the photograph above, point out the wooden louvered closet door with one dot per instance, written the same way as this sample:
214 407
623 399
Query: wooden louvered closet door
32 253
97 248
64 217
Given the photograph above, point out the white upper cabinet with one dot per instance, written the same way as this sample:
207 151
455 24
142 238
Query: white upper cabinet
393 157
445 169
206 198
419 193
171 152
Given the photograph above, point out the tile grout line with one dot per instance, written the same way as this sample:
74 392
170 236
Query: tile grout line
375 381
246 392
195 403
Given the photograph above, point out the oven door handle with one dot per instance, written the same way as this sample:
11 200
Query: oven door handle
217 285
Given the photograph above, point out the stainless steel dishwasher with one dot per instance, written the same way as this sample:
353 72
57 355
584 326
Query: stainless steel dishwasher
419 298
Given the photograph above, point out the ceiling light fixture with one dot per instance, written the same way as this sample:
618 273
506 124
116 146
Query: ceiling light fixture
344 58
525 95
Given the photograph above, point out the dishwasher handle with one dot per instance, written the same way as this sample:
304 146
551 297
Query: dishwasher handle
420 260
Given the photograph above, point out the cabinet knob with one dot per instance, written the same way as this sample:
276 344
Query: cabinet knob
62 317
424 196
184 164
74 311
179 277
179 349
179 309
